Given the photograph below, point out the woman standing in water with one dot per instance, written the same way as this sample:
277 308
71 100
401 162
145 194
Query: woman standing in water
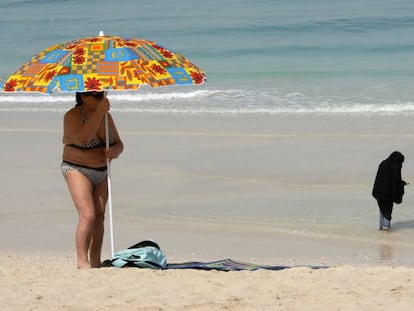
388 187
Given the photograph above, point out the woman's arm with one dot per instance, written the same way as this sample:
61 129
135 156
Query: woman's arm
80 134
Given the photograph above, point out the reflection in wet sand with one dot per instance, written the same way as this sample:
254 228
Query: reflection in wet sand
386 252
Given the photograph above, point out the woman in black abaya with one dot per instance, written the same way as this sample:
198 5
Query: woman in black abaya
389 187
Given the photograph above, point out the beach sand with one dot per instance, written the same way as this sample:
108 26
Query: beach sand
47 282
180 182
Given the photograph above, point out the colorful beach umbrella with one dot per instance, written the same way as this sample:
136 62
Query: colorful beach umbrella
102 63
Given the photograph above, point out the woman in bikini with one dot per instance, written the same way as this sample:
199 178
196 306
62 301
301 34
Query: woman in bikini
85 171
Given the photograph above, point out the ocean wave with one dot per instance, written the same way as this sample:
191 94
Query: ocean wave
113 95
216 101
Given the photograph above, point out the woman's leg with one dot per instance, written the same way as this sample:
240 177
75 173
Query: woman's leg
386 211
100 197
81 191
387 224
381 220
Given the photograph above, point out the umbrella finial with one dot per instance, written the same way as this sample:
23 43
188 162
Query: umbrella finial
101 33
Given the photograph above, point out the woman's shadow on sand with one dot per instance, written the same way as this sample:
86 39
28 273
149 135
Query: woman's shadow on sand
406 224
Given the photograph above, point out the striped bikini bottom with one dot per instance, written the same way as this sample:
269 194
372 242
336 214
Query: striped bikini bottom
95 175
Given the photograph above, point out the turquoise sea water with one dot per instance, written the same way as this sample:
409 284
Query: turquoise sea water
260 56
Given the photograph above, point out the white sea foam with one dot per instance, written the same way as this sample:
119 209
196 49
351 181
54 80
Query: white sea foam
216 101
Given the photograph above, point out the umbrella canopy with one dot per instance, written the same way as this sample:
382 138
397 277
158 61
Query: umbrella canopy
102 63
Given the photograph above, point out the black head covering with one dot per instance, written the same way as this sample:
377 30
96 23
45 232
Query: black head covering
396 156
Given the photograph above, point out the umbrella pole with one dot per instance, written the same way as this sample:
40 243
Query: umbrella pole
108 165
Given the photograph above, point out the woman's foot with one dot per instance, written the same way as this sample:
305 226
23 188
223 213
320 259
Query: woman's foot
83 266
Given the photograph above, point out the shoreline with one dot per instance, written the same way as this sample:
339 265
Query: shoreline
196 241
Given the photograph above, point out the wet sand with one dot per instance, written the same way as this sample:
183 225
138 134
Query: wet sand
212 187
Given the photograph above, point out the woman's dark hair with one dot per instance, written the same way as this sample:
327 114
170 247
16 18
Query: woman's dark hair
79 101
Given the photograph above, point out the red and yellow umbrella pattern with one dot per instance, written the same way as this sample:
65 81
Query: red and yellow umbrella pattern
102 63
